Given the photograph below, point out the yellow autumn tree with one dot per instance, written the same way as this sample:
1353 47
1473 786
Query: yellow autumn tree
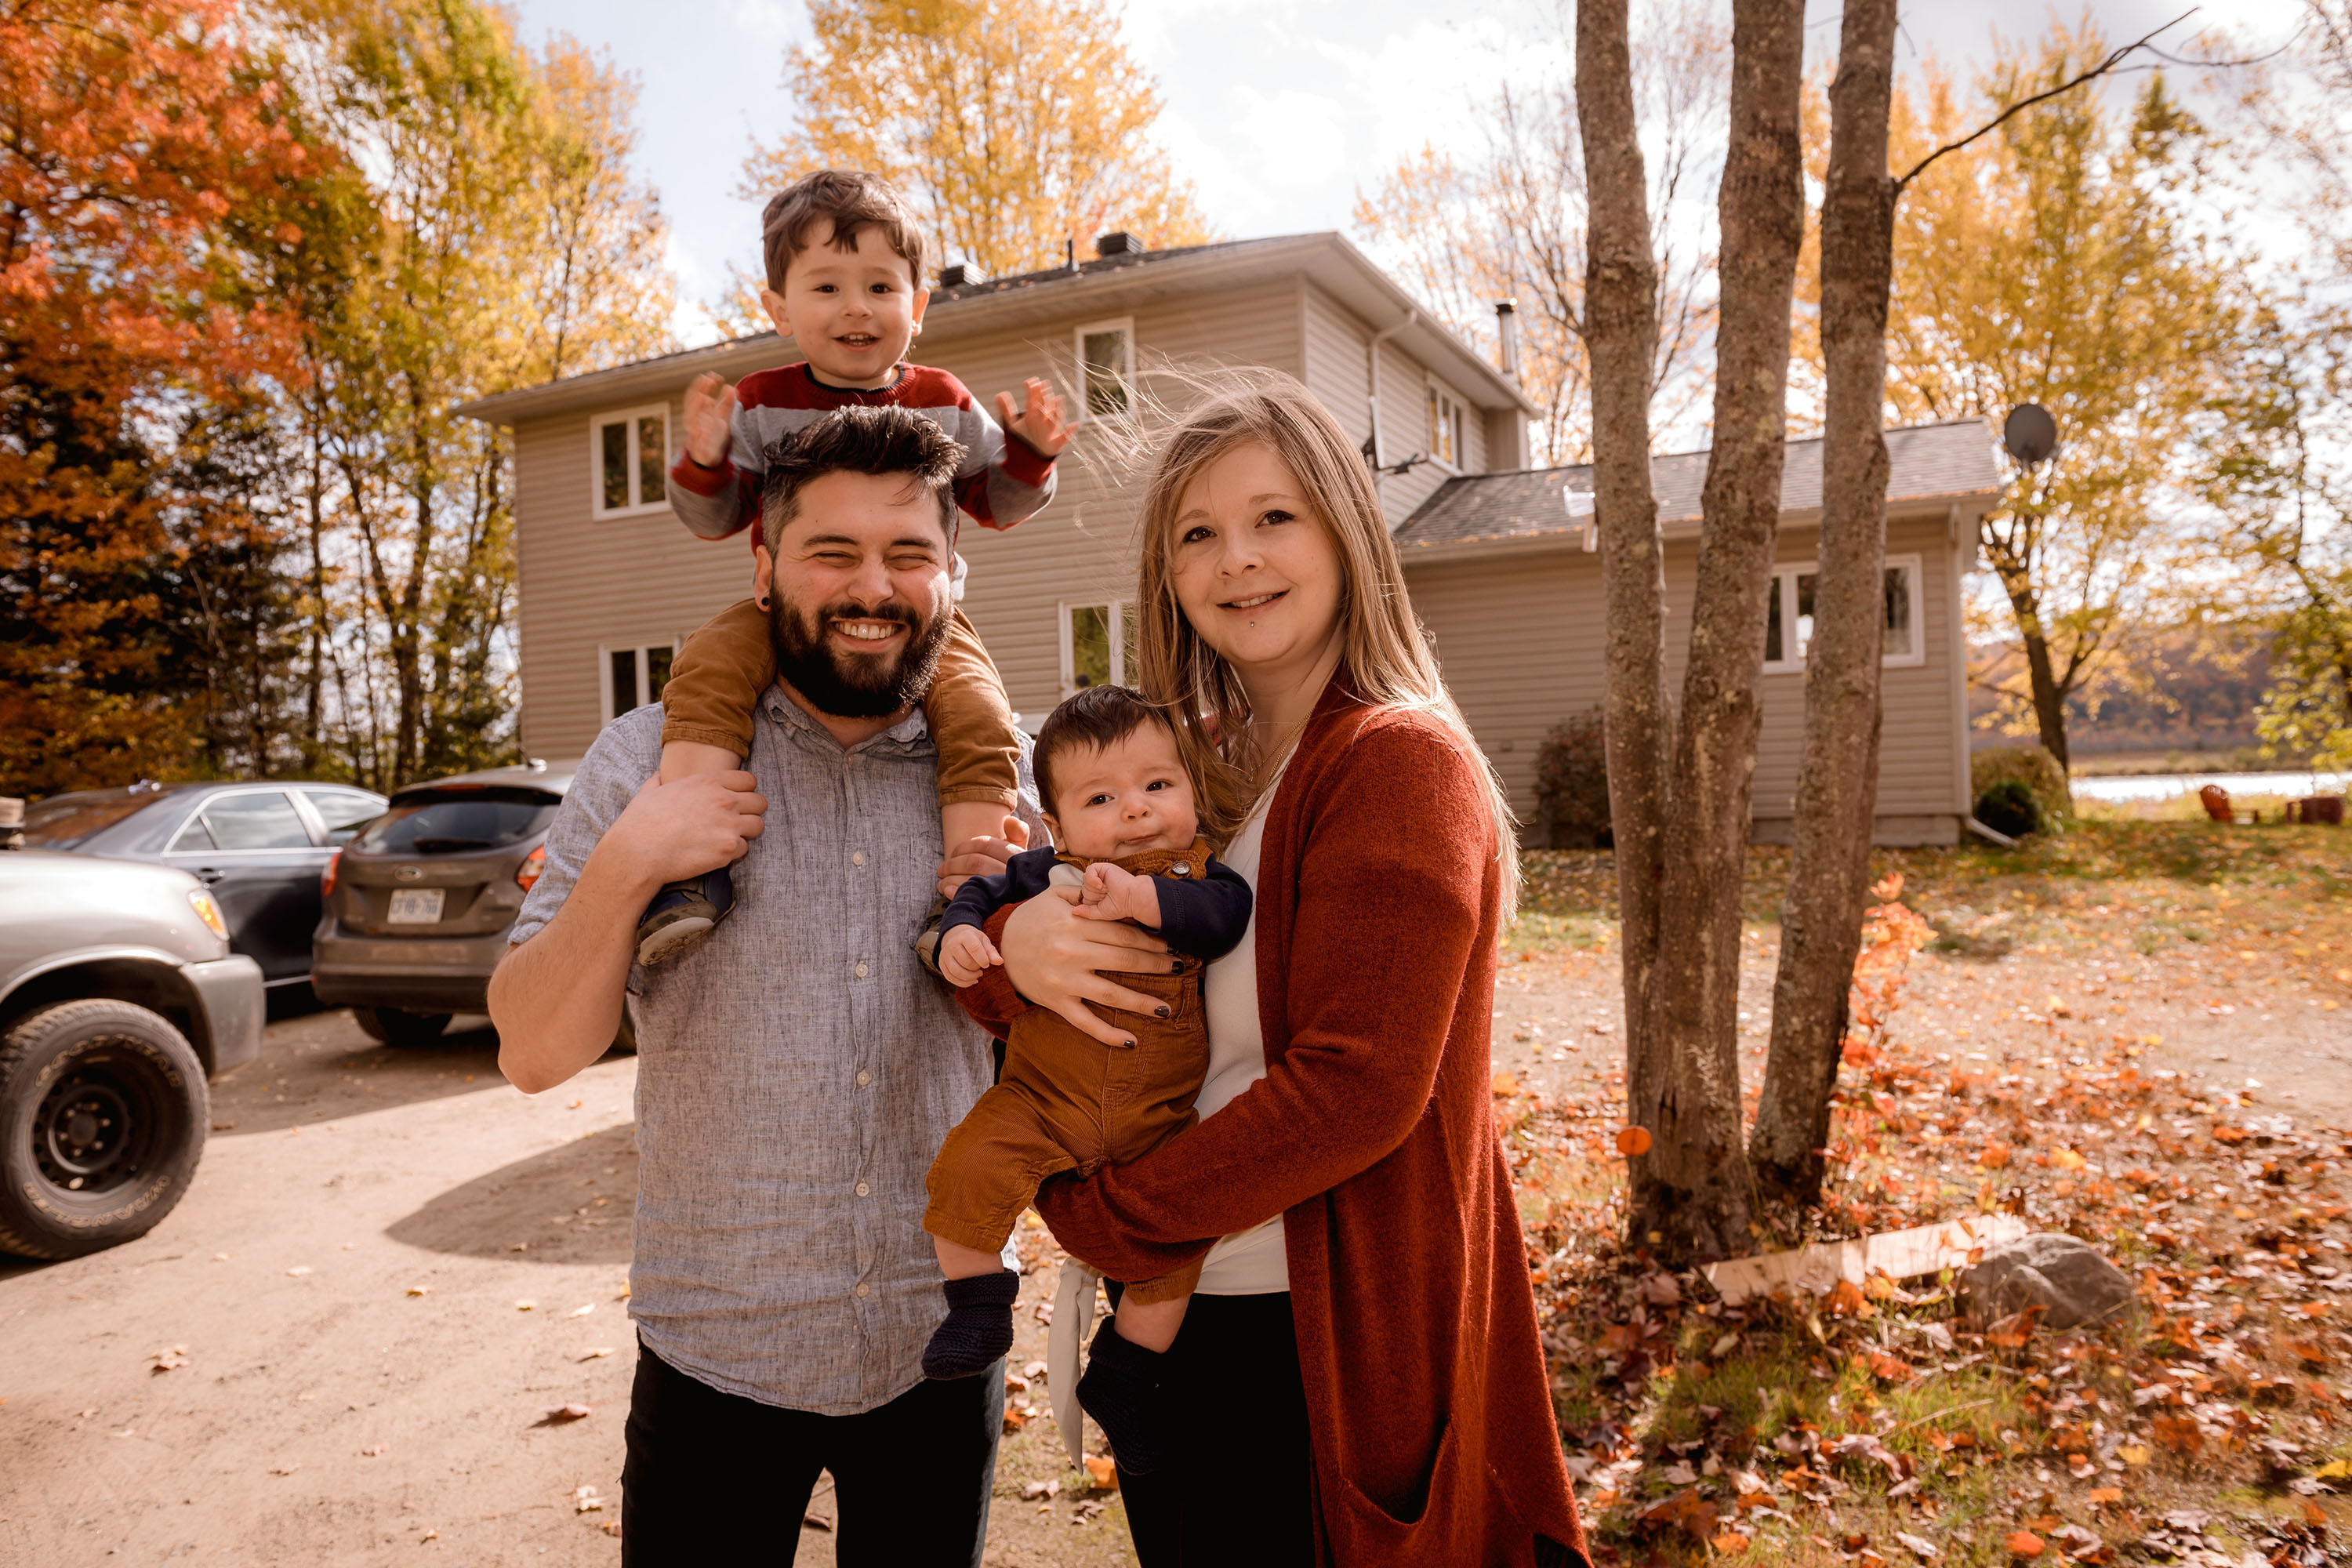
2063 260
1014 125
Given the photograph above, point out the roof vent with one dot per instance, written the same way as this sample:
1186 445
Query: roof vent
957 274
1118 242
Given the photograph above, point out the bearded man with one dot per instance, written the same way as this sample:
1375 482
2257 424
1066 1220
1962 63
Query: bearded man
798 1071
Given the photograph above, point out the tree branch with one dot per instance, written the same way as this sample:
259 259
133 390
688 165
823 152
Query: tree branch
1997 121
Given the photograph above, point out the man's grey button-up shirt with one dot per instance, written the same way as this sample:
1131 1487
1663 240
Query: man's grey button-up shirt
796 1072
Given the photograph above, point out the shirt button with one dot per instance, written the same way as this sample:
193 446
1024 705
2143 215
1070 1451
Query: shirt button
861 1189
861 969
864 1079
858 859
861 1287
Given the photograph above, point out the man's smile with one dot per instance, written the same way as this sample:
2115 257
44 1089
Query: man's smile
869 631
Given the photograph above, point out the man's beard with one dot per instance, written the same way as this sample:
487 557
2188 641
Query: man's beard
854 685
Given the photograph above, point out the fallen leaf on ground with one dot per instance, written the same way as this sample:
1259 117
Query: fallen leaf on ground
595 1352
171 1358
525 1305
1102 1474
1919 1546
370 1451
2024 1544
299 1270
582 1311
560 1413
420 1290
283 1469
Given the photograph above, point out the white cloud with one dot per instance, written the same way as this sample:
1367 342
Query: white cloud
1294 138
690 321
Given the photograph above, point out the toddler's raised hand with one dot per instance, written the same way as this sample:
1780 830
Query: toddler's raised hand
709 419
966 954
1040 423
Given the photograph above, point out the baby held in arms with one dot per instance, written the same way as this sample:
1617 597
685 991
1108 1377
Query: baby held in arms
1126 829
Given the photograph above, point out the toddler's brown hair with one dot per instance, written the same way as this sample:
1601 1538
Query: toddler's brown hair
851 199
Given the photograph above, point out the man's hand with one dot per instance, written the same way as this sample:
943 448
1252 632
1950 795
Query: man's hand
1112 894
1040 423
709 419
982 856
965 953
673 831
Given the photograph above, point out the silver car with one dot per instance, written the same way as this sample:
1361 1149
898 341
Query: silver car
119 997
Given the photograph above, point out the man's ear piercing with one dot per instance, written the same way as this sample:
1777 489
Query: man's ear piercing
763 601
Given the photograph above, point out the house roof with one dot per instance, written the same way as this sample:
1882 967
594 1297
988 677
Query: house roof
1944 462
1055 295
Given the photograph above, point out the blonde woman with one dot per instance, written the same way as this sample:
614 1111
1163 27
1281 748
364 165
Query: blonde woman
1360 1380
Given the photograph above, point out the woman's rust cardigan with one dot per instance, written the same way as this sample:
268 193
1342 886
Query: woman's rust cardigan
1373 1134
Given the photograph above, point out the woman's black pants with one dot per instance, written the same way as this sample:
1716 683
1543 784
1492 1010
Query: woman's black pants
1238 1492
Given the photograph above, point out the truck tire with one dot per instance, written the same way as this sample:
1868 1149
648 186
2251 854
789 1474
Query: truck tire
397 1027
103 1108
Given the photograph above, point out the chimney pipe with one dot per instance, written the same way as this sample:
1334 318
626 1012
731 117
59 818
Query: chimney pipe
1506 328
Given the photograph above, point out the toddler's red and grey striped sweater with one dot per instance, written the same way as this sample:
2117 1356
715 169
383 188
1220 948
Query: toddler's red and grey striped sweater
1002 479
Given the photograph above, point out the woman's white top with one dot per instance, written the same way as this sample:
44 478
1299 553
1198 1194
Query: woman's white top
1250 1263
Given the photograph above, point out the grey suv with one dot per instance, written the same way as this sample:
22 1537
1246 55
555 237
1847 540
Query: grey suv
119 996
417 905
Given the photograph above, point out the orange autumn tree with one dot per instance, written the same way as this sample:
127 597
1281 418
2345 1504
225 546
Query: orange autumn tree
144 139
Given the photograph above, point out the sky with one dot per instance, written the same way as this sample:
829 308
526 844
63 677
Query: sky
1276 110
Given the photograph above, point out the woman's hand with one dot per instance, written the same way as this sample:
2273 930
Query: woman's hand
1051 957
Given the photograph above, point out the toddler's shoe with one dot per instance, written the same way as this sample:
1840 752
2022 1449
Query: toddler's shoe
683 913
1120 1389
979 1327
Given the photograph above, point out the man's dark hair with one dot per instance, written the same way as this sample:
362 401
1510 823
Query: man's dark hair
1095 719
852 199
860 439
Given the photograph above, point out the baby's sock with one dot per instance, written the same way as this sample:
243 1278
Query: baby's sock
1120 1389
979 1328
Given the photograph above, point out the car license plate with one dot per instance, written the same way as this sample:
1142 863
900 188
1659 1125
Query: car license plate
417 906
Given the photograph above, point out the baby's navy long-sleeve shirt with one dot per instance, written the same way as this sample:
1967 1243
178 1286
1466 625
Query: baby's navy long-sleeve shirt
1205 905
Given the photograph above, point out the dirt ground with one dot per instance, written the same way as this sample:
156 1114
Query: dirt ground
344 1279
345 1282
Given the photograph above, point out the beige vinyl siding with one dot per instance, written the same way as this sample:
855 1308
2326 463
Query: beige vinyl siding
1520 636
623 583
1336 370
1404 430
1080 549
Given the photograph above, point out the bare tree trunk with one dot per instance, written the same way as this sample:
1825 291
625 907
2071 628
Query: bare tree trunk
1621 325
1700 1195
1837 795
2043 680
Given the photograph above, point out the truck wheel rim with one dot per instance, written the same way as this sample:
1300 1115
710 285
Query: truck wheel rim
90 1132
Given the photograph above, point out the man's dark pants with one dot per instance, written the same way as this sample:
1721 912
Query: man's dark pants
714 1478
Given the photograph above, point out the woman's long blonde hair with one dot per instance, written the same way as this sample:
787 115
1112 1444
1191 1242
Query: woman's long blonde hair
1384 654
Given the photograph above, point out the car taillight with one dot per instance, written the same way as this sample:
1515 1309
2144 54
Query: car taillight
327 877
532 865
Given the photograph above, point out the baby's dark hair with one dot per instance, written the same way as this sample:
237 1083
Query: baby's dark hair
1094 719
851 199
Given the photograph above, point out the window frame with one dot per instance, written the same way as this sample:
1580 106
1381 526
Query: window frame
1441 392
597 423
604 652
1114 613
1784 588
1125 327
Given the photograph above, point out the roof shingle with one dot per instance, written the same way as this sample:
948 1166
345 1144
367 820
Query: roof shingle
1926 462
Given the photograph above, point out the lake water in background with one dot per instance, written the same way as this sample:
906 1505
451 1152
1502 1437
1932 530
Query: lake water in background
2164 786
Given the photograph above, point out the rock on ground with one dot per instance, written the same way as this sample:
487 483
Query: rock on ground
2061 1274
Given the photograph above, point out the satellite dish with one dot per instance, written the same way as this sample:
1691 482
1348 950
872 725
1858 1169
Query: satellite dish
2030 434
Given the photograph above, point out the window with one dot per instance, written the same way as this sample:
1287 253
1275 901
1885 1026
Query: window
264 819
1789 617
1447 438
1106 369
344 811
633 677
442 823
629 453
1095 640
